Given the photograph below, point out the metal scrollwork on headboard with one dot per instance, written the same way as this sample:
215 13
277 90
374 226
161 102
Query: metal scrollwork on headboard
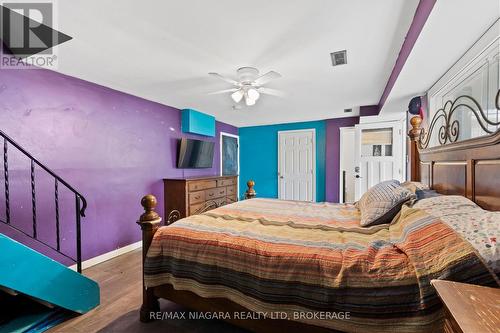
208 205
173 216
449 131
497 100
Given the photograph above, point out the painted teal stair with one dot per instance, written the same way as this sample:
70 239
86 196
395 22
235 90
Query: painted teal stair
46 291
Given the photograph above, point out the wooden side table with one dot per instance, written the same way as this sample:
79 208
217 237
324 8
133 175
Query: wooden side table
469 308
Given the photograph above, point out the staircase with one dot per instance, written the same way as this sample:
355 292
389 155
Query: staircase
37 292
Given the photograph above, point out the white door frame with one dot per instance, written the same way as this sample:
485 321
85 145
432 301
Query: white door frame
341 180
220 158
313 130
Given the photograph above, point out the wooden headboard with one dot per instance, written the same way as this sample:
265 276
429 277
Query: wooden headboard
470 168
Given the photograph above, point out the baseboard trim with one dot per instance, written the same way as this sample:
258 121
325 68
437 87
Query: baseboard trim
108 255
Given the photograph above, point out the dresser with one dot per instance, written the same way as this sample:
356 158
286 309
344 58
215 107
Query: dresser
189 196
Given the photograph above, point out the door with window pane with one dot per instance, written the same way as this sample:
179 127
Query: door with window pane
379 154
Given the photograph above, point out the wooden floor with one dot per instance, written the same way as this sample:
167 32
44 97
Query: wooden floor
121 283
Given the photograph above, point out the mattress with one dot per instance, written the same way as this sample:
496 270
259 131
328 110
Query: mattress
300 258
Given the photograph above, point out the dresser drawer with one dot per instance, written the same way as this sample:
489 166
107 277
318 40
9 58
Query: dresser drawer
194 209
230 190
231 198
214 193
221 191
225 182
201 185
196 197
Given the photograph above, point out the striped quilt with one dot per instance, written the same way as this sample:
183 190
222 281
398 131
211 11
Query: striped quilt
304 259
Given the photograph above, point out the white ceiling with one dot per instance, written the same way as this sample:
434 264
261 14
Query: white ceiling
163 50
451 29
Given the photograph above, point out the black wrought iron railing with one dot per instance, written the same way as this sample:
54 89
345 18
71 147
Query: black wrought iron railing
80 202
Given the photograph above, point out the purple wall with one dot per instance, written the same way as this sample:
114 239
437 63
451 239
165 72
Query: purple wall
333 155
368 110
112 147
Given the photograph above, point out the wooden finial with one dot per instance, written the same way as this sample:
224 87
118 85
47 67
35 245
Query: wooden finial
149 223
414 133
250 193
149 203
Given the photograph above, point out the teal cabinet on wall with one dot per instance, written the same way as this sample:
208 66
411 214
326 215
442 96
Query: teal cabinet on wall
196 122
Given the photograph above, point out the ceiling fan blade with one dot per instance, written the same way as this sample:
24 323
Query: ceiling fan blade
223 91
224 78
269 91
263 79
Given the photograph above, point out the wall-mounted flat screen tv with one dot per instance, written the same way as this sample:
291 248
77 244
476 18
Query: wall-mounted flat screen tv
195 154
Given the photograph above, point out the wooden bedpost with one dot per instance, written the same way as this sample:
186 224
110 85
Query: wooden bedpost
414 135
250 193
149 222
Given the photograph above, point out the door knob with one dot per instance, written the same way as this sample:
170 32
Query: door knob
281 177
358 176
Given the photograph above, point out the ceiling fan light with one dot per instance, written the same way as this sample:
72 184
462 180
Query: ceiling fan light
237 96
249 101
253 94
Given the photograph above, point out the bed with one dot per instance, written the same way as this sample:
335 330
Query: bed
306 266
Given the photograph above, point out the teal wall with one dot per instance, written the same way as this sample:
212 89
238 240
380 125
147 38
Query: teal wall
259 157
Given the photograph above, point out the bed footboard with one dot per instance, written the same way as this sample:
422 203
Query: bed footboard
150 222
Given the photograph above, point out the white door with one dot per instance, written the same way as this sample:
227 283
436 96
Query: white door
379 154
347 164
297 165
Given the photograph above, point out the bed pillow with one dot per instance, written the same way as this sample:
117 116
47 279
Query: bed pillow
426 194
415 186
382 202
447 205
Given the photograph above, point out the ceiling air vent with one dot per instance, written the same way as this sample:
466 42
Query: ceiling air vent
347 110
339 58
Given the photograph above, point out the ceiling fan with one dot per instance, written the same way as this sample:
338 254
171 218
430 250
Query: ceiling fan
249 85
